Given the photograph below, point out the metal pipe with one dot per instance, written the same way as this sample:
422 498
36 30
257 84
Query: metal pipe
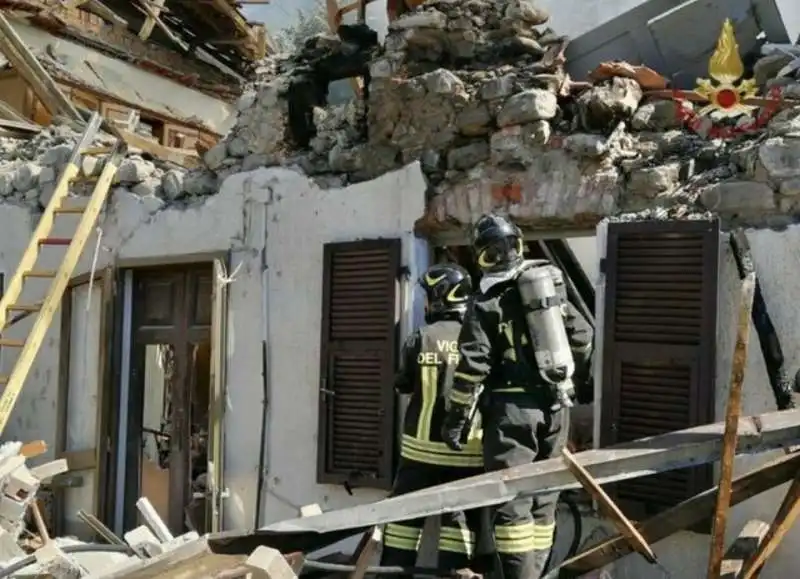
88 548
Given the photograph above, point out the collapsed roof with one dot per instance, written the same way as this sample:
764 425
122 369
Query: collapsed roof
477 93
210 32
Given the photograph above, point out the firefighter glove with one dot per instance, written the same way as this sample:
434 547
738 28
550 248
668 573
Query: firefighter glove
453 428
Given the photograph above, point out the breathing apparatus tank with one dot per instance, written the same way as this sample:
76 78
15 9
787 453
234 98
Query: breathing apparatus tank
544 299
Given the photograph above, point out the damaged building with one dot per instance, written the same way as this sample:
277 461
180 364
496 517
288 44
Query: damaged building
213 352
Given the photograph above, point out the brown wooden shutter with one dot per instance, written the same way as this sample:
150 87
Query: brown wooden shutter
358 355
659 338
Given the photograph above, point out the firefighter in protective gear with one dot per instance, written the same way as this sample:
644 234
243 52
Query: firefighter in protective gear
428 362
524 418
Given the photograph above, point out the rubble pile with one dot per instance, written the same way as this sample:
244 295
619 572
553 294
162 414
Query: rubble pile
477 93
30 167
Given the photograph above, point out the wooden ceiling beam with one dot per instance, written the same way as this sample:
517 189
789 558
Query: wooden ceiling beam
150 22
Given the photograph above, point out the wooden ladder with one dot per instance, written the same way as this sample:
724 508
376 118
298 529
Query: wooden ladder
44 309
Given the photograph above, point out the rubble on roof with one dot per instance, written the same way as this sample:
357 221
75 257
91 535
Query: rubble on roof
29 169
477 92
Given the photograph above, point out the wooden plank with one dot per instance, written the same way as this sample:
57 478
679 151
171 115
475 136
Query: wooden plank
23 126
104 398
670 451
59 284
34 74
682 516
732 415
621 522
743 547
194 559
255 49
33 449
80 459
217 396
150 22
144 6
784 520
11 114
183 157
334 20
374 537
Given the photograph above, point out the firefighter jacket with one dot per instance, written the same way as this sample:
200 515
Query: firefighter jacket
427 365
496 353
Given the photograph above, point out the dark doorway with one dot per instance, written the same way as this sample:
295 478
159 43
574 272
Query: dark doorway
167 435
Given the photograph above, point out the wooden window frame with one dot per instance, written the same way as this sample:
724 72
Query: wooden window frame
382 474
703 354
97 458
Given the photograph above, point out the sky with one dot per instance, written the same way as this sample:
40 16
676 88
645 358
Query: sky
282 13
278 14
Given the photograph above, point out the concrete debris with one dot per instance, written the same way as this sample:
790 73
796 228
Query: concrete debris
143 552
29 170
477 93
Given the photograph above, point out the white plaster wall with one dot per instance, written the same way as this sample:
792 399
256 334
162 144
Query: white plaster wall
777 258
136 231
300 221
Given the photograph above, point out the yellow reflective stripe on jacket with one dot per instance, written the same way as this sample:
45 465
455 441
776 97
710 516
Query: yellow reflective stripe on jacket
543 535
510 389
402 537
460 398
457 540
467 378
429 380
438 453
520 538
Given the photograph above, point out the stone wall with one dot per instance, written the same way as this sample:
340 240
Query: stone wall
29 170
476 91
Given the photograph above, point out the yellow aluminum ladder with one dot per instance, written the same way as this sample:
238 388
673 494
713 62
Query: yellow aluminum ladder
43 310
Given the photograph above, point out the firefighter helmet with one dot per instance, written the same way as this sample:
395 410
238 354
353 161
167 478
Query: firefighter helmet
497 243
447 287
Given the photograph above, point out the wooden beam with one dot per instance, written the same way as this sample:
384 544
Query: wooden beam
784 520
31 70
11 114
150 21
33 449
607 505
183 157
682 516
256 48
334 21
193 559
80 459
99 9
730 436
742 548
374 537
664 452
144 6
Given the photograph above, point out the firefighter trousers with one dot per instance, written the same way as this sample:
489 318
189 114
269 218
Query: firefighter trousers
518 431
459 530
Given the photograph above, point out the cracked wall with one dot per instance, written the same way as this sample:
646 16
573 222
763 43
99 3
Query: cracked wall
298 217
